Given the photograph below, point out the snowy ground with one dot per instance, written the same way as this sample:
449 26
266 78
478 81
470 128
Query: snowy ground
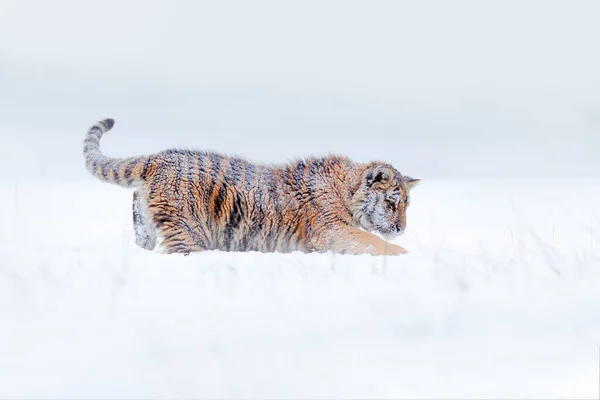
499 297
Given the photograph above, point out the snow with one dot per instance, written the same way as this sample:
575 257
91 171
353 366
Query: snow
497 298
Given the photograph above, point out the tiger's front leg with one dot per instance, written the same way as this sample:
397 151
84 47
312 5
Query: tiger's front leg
351 240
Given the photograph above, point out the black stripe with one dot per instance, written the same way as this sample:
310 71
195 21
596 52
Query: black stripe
129 170
316 166
201 164
201 159
155 181
272 190
337 217
219 200
307 230
243 244
299 175
216 162
250 175
192 162
95 128
237 212
92 141
161 218
214 175
105 166
193 180
178 165
191 232
107 124
273 194
116 168
235 218
309 202
260 186
144 173
257 211
236 170
207 186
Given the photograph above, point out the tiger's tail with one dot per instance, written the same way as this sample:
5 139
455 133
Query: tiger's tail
126 172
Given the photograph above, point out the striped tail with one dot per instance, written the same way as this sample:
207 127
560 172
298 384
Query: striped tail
127 172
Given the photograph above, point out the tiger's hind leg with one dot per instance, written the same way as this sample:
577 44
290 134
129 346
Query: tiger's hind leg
145 233
178 238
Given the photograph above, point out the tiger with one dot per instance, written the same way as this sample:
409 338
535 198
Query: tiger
194 201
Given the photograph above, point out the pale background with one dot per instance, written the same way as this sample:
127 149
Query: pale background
439 88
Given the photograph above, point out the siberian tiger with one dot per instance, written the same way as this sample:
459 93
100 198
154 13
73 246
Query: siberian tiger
198 200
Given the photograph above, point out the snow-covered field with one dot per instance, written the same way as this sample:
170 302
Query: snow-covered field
499 297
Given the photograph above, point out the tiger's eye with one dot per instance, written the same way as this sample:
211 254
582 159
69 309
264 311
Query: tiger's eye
391 203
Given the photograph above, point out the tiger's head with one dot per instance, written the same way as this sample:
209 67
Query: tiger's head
379 204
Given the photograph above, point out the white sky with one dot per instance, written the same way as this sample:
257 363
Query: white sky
501 80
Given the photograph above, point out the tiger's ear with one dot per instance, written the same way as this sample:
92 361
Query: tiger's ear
377 174
411 182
